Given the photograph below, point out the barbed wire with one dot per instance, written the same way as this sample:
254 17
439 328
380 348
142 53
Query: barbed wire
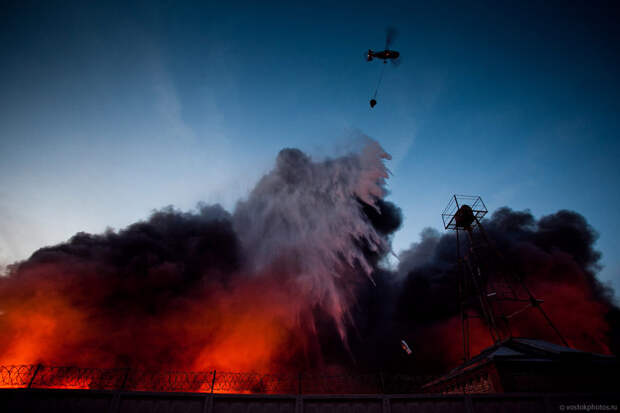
54 377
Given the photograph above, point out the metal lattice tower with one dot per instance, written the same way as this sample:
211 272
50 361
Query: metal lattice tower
479 291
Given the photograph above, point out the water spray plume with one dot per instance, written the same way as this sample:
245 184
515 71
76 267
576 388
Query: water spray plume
208 289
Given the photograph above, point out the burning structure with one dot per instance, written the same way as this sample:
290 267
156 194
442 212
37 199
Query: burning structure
496 298
510 364
270 287
289 282
556 260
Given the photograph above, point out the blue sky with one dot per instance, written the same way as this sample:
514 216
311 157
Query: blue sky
108 111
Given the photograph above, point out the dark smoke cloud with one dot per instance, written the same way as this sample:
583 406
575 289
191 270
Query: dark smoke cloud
556 258
115 286
273 284
290 280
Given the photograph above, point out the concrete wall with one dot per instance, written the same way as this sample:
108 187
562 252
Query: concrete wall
74 401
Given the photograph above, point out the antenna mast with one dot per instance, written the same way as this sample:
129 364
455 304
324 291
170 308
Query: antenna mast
479 292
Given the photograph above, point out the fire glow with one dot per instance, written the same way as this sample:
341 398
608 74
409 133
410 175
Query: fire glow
286 283
208 290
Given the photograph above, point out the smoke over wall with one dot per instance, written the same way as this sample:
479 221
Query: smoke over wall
288 281
554 256
209 289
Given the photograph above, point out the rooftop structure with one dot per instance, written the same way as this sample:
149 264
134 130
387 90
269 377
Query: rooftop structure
530 365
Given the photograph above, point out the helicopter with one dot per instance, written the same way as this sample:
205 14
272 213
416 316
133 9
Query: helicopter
385 55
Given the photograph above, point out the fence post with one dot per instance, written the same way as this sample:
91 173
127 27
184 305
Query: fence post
299 404
125 377
381 382
299 400
36 371
207 406
469 405
213 381
386 407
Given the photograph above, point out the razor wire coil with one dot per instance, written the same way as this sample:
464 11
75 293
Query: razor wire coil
69 377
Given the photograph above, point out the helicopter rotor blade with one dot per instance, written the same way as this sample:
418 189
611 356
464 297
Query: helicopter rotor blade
390 35
397 62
